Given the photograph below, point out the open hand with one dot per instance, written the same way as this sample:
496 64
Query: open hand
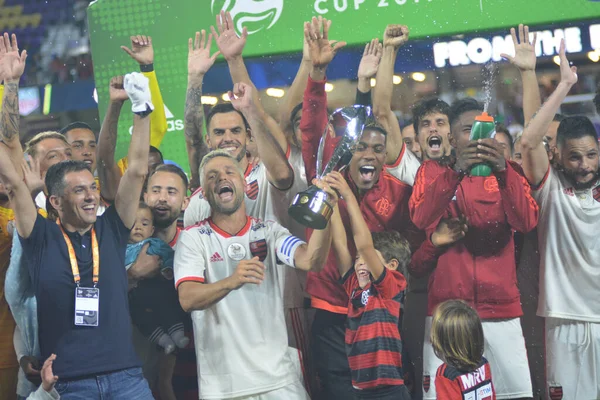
369 63
116 90
141 49
524 57
32 176
199 58
395 36
320 48
48 377
466 158
230 44
568 74
248 271
449 231
12 64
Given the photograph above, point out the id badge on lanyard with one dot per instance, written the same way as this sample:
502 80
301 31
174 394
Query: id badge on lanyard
87 299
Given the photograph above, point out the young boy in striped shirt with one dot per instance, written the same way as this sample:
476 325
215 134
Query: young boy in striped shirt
375 287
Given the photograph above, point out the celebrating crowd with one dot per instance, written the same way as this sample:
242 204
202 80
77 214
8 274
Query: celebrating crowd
127 279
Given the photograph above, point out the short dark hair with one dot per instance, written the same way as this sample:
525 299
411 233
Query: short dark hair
462 106
428 106
295 112
172 169
393 246
224 108
501 128
55 177
407 123
558 117
372 125
75 125
156 151
575 127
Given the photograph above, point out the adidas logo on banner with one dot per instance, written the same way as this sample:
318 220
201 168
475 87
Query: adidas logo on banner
216 257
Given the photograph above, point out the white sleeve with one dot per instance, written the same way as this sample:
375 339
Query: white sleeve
19 344
286 243
190 260
198 210
41 394
550 182
406 166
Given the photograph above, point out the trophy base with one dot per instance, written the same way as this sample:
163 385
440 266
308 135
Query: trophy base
311 208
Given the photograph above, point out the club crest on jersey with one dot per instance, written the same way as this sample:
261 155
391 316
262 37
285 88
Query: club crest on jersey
555 392
426 383
596 193
383 207
491 184
569 191
259 249
236 251
252 190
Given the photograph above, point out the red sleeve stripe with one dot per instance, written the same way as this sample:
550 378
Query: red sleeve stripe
418 189
532 203
189 279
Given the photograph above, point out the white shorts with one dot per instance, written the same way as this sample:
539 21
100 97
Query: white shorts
572 359
293 391
505 351
298 329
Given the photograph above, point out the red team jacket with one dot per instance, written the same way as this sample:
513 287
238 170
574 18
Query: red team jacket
480 268
384 207
452 384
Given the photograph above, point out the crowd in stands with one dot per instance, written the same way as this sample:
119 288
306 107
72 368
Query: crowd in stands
451 267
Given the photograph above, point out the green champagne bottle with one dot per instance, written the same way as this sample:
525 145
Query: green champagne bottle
483 128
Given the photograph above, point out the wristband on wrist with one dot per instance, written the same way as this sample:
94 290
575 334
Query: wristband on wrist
144 113
146 67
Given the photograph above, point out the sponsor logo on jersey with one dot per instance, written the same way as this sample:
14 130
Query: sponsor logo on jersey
254 15
474 378
252 190
259 249
236 251
216 257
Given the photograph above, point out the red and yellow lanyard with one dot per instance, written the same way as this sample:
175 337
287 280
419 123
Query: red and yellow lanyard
73 257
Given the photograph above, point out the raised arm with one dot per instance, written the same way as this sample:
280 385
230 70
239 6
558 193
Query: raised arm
18 193
535 158
12 65
132 182
279 172
231 46
393 38
199 62
360 231
314 105
142 51
293 96
525 60
108 170
367 69
339 243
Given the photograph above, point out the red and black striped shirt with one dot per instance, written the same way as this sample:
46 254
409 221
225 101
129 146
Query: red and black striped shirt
452 384
373 343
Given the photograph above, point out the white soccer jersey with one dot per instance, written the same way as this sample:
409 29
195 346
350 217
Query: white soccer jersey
266 202
241 341
568 228
406 166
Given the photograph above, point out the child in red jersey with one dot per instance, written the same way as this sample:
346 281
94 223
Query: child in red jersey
457 339
376 291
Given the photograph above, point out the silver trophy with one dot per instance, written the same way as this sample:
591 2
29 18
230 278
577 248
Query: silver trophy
311 207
